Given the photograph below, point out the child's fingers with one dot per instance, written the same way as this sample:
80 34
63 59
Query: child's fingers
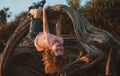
32 12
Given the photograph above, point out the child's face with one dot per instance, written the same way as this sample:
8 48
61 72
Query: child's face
58 49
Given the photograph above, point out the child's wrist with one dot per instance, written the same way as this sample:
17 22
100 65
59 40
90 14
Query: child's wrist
37 15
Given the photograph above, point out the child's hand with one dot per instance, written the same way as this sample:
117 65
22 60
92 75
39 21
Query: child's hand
36 13
45 8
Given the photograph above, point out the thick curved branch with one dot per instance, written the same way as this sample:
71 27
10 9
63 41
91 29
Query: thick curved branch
12 43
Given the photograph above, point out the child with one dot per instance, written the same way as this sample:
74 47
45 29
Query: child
46 40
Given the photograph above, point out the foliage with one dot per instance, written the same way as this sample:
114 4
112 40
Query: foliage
75 4
103 14
7 29
4 14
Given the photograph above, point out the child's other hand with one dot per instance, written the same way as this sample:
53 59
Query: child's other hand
45 8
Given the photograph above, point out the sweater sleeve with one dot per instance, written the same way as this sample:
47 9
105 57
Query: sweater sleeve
35 27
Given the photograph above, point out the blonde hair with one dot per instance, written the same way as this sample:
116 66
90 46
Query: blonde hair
52 63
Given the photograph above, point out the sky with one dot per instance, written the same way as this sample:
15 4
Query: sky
18 6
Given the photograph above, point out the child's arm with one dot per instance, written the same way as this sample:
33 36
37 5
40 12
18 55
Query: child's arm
58 27
45 24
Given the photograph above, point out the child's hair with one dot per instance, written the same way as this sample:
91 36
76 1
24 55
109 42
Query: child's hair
52 63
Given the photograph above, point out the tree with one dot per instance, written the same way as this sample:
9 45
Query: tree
103 14
75 4
4 14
